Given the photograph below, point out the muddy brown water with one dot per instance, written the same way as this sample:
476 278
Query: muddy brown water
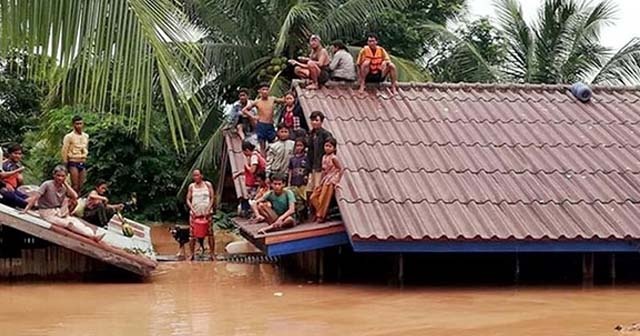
237 299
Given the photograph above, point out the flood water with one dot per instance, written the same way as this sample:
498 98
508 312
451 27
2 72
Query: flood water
207 298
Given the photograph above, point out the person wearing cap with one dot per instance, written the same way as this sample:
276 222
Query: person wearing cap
375 65
316 66
342 66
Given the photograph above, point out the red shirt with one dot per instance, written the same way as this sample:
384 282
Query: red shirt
249 178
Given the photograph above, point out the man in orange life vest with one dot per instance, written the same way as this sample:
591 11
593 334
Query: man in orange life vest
375 65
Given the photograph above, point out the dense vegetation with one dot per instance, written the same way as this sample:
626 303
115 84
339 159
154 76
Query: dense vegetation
151 77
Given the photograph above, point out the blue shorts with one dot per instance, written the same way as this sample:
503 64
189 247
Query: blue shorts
265 131
80 166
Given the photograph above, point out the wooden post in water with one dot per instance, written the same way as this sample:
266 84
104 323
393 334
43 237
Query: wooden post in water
612 270
516 273
587 269
401 269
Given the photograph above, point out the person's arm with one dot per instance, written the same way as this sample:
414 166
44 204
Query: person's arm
361 57
70 192
271 153
5 174
246 109
212 197
31 201
278 100
323 59
386 56
291 210
290 171
338 165
94 195
66 142
335 61
188 200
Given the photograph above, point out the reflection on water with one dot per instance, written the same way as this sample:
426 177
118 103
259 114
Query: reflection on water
232 299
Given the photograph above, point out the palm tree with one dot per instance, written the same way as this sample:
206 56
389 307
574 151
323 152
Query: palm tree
246 36
562 46
115 56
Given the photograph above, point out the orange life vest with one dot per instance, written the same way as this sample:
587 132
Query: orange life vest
376 58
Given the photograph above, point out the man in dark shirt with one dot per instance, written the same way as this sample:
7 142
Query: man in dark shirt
11 177
316 139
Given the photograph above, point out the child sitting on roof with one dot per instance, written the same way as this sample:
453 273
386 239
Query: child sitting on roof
263 189
277 207
298 165
331 175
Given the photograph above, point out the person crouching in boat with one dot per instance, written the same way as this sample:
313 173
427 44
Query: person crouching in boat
53 198
200 200
98 211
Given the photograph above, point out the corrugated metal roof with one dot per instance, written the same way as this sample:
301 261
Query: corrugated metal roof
472 161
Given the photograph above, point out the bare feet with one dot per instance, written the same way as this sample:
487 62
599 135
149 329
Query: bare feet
361 89
312 86
320 220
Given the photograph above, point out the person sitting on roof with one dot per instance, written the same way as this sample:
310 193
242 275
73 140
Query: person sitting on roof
97 210
277 207
375 65
255 163
53 203
316 66
263 188
242 123
11 176
342 66
292 116
331 176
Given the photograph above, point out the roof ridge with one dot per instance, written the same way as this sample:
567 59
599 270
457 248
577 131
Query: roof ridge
465 86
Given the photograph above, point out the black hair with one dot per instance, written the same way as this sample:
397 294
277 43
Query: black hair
372 35
281 126
248 146
100 182
243 90
339 45
290 93
316 114
261 174
278 177
334 142
302 140
14 148
264 84
76 118
300 133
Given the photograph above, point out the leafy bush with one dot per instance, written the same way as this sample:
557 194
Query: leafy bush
117 155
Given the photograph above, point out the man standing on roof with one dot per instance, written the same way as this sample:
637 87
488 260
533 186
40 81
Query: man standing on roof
239 121
264 120
375 65
316 66
75 149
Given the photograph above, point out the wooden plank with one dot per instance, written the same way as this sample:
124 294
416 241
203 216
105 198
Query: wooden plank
303 234
81 245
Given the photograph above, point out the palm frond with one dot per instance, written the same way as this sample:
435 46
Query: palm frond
345 18
299 14
108 53
467 55
208 157
520 42
623 68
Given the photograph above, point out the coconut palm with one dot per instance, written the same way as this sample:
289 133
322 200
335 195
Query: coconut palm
110 55
561 46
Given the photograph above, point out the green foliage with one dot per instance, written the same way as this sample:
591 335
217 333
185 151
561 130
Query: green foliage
117 155
456 59
110 55
402 32
19 108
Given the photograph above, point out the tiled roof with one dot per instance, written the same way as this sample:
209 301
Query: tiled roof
448 161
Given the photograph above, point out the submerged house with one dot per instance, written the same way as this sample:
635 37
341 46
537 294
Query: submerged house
479 168
31 248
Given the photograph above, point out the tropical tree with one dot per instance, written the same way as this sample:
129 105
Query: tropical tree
561 46
110 55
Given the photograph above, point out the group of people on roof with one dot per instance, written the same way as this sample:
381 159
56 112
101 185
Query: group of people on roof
373 64
56 200
290 169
